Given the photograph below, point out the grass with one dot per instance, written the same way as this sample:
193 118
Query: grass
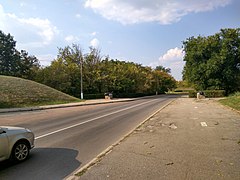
17 92
181 90
232 101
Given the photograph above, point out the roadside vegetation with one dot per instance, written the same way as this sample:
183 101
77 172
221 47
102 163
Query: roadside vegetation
232 101
100 74
212 65
213 62
182 88
18 92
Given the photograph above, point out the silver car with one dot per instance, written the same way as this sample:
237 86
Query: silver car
15 143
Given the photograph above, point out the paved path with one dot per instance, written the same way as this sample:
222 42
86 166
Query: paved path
188 139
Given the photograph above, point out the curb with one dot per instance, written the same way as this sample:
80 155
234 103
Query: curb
228 107
60 106
99 157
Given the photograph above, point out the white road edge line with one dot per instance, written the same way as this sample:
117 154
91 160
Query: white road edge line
90 120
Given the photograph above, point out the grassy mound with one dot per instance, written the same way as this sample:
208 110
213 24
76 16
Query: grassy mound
17 92
232 101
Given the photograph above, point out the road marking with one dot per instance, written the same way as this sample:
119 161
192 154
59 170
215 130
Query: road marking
90 120
203 124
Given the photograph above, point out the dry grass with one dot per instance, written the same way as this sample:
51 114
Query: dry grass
17 92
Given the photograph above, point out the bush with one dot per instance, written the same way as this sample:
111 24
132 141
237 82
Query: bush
117 95
192 94
214 93
94 96
208 93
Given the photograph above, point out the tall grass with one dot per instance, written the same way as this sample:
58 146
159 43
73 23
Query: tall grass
232 101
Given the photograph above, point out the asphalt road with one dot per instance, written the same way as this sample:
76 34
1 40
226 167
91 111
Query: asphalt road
68 138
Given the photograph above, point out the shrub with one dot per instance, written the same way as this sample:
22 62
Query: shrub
192 94
214 93
94 96
117 95
208 93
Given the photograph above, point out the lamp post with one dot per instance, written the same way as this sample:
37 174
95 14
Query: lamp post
81 80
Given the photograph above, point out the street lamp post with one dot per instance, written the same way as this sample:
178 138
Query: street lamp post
81 80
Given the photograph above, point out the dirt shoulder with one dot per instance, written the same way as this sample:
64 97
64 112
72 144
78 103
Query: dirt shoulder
188 139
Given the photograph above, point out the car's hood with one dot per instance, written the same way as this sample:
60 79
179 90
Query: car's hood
11 128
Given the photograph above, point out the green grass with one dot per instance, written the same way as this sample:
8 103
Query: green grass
17 92
233 101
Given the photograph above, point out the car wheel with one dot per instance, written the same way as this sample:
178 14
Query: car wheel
20 151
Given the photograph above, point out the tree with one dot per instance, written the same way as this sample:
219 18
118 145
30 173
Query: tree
163 81
91 71
15 63
64 73
161 68
101 75
29 65
211 62
9 56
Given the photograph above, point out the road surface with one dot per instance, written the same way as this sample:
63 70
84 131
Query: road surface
69 138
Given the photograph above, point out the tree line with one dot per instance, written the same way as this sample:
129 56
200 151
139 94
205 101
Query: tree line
99 74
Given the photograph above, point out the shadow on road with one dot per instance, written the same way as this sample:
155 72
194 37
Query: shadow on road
43 163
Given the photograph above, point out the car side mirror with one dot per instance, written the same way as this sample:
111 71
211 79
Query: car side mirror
1 131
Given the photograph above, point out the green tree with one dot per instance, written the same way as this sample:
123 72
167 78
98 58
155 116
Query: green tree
211 62
161 68
28 66
163 81
9 56
101 75
15 63
64 72
91 71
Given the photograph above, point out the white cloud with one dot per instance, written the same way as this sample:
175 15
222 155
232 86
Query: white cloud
78 16
2 17
46 59
94 42
22 4
31 30
172 59
162 11
71 39
172 55
94 33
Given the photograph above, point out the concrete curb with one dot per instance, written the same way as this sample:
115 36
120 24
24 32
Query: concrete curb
61 106
110 148
228 107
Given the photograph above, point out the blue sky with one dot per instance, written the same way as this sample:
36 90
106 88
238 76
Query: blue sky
148 32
